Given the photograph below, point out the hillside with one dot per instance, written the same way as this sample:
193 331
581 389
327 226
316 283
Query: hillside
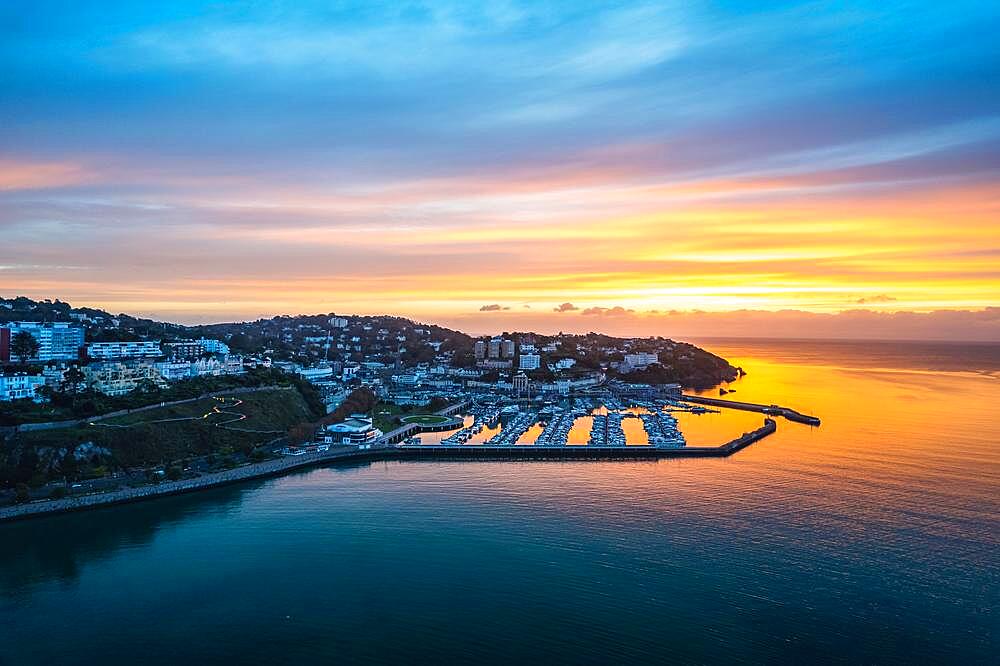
219 432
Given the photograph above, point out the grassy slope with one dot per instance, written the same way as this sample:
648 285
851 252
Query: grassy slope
144 443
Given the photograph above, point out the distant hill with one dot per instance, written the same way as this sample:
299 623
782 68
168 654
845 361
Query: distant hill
389 339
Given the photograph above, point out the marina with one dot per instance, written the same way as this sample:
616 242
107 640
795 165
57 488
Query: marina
596 422
614 430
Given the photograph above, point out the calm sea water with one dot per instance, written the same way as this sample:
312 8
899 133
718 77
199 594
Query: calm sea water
874 538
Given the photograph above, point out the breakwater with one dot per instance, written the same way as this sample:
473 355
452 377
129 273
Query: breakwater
347 454
771 410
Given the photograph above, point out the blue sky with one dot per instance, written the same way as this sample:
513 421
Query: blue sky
214 126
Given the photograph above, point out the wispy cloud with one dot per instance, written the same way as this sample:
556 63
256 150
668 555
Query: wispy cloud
437 155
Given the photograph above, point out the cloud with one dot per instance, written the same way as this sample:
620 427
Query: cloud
861 324
494 307
881 298
616 311
565 307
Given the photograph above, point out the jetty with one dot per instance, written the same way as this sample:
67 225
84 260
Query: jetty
771 410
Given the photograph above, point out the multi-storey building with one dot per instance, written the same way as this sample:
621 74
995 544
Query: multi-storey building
480 349
640 359
57 341
191 349
184 349
174 370
20 386
121 377
529 362
105 351
4 345
213 346
497 348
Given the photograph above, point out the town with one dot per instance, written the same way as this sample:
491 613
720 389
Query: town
86 395
405 363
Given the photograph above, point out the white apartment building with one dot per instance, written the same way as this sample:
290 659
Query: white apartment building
316 374
20 386
121 377
57 341
105 351
173 371
529 362
641 359
213 346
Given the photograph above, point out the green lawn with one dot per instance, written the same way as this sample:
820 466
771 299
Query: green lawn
426 419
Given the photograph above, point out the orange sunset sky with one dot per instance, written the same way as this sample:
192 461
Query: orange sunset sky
685 170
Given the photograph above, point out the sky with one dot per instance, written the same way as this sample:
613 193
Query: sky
825 169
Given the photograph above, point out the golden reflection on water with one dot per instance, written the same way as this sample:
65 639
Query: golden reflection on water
531 434
901 451
579 434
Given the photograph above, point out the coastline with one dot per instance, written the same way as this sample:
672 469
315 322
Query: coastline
349 454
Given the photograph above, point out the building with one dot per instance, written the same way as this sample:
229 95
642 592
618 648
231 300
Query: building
191 349
640 359
338 322
408 379
519 383
565 363
496 348
106 351
529 362
321 373
185 349
357 430
496 364
20 387
4 345
121 377
57 341
174 370
213 346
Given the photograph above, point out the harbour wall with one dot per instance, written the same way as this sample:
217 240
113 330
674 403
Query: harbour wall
349 454
775 410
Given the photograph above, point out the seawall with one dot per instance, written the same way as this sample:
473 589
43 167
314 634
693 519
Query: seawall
351 454
773 410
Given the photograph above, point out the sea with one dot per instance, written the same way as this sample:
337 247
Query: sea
873 538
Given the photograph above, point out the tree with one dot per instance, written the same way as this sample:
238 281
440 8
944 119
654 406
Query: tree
24 346
21 493
72 379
